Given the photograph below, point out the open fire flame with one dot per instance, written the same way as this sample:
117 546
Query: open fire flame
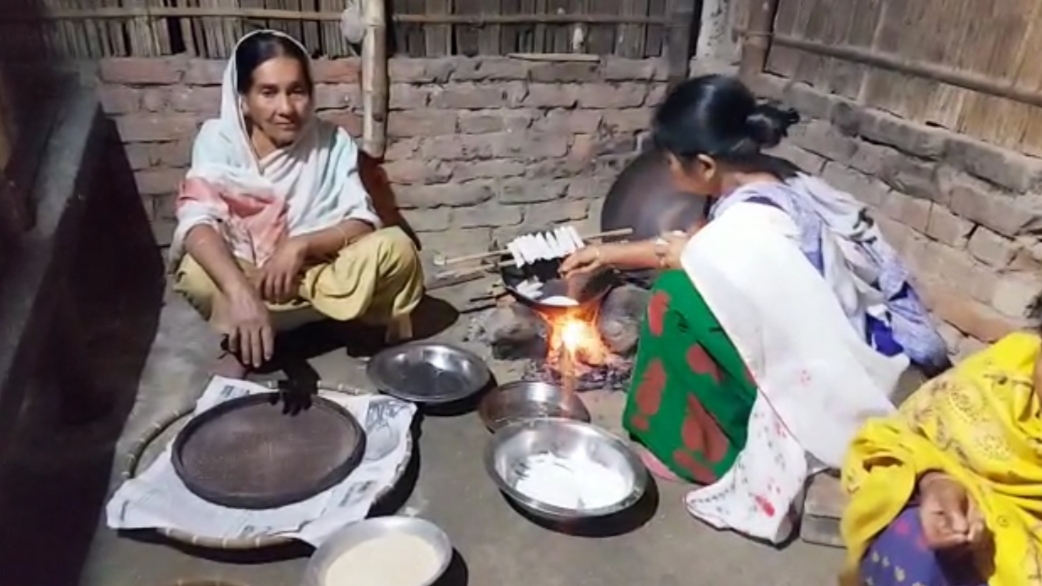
575 335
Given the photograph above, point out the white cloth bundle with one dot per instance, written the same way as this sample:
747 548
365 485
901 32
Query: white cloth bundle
551 245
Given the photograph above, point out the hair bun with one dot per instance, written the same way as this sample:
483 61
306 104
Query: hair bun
769 123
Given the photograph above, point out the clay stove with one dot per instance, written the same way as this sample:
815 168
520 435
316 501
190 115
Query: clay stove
578 350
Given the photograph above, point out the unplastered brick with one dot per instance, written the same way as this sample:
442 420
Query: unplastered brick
991 248
1003 167
947 228
517 191
142 70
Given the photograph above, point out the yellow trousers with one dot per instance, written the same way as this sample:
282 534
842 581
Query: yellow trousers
377 279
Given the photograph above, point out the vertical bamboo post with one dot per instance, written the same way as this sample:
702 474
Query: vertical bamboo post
757 40
678 39
374 78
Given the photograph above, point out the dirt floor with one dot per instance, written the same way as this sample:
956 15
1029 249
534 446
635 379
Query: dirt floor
660 545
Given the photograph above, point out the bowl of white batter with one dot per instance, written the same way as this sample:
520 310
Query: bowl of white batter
382 551
564 470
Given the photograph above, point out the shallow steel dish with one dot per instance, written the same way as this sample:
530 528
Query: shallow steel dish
524 400
428 372
357 533
512 444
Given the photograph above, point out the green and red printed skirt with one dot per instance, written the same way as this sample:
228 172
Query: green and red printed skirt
691 394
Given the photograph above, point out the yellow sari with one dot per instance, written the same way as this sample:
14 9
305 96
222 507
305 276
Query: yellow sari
979 423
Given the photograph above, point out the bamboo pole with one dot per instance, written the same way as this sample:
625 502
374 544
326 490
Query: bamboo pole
757 40
939 73
374 78
128 12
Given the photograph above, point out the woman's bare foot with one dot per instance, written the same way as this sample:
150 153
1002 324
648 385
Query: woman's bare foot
228 366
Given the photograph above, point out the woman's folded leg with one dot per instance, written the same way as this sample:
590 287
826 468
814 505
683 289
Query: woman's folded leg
378 279
691 395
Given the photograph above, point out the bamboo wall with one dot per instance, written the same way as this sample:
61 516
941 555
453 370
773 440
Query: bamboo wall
209 28
986 44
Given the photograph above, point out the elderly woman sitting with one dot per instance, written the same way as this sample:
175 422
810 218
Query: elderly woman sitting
273 216
948 491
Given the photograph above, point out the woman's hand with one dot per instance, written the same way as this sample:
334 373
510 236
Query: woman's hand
672 247
241 315
583 261
279 278
948 514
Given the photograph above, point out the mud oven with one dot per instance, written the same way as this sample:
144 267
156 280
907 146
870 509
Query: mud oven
586 348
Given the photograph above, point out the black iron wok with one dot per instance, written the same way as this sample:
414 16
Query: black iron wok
587 290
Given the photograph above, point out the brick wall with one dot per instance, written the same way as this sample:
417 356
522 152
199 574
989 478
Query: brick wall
478 148
964 215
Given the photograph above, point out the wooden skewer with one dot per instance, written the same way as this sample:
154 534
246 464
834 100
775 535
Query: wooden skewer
484 267
441 261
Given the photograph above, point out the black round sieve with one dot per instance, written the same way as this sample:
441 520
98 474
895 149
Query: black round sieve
253 453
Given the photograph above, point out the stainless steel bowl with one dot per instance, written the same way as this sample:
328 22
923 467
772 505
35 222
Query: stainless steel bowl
509 447
428 372
523 400
357 533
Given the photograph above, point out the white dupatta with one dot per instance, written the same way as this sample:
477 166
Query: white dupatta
315 180
818 380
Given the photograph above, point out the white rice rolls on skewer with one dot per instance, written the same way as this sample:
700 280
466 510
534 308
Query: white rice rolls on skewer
515 253
555 245
576 238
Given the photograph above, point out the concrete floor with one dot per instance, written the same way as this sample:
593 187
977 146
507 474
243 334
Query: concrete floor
496 544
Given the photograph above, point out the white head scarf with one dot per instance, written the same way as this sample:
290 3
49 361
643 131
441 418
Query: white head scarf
315 179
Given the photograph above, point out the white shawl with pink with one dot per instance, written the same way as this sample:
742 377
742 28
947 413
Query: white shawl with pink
254 202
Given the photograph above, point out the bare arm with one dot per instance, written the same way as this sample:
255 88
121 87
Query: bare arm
209 250
639 255
326 243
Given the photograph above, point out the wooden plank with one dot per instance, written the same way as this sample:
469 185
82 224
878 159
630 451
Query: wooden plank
467 36
558 37
812 67
1005 122
438 37
921 41
678 42
654 35
600 38
333 42
629 42
489 37
113 32
980 45
879 85
509 35
539 37
982 116
312 39
791 17
416 34
1029 74
946 101
860 32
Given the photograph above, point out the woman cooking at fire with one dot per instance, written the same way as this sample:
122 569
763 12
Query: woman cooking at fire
273 219
787 321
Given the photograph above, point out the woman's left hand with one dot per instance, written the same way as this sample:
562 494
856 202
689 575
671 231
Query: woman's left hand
280 276
673 244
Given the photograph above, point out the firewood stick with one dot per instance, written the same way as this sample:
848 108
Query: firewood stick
441 261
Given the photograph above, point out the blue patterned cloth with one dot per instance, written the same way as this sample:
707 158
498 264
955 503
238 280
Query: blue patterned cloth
903 325
899 557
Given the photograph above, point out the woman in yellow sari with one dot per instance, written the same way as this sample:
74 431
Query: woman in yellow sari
948 491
